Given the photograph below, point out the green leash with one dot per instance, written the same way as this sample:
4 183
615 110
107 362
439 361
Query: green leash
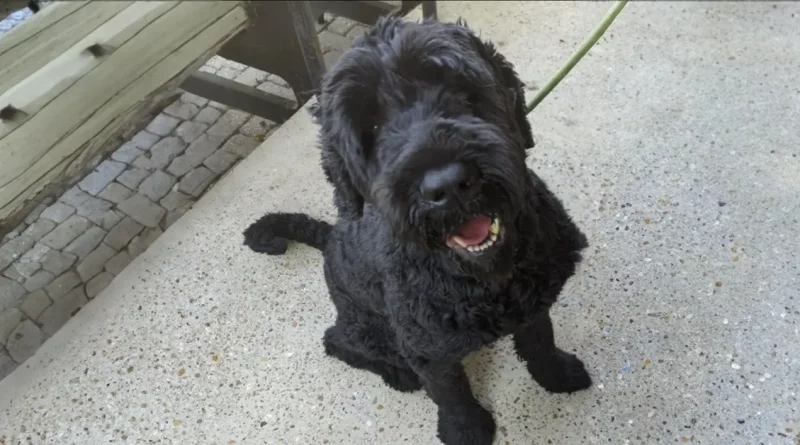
578 55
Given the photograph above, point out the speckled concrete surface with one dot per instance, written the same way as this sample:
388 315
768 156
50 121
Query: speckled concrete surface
674 145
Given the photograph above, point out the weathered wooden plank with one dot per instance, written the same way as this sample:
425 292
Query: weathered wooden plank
21 60
44 19
36 90
55 142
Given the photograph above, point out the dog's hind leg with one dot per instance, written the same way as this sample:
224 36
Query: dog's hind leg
555 370
360 346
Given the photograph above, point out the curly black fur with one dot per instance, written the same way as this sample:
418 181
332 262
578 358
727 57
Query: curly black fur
406 100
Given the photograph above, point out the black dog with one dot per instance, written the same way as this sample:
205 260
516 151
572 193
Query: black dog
446 241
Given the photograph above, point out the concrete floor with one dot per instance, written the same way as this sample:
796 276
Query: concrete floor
675 147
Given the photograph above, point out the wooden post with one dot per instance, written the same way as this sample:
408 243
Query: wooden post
74 75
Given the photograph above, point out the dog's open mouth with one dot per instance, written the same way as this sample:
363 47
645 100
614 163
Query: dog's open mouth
476 234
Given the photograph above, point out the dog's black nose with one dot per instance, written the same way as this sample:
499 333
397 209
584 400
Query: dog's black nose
443 183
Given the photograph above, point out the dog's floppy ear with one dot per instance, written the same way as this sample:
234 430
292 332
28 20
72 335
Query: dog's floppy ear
344 150
516 90
511 81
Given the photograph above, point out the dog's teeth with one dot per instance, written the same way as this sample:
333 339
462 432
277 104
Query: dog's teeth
495 227
493 238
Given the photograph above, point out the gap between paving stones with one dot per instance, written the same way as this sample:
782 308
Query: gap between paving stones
71 247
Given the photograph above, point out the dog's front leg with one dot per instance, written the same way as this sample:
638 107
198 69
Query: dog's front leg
553 369
462 420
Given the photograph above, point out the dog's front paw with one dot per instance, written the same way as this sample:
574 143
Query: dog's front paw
474 428
262 240
561 373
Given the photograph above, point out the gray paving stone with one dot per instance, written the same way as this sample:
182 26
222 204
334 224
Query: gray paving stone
115 192
194 99
142 210
38 280
241 145
38 229
173 216
207 69
208 115
220 162
229 72
340 26
273 88
35 254
216 62
66 232
181 165
197 152
278 80
97 180
251 77
74 196
14 233
13 249
357 31
35 213
9 319
233 64
7 364
95 262
189 131
63 284
162 125
86 243
123 232
24 341
161 154
175 199
110 219
35 303
219 106
157 185
97 284
24 269
329 41
10 293
57 262
228 123
196 181
117 264
144 140
330 58
257 126
94 209
29 262
143 241
126 153
58 212
59 313
12 273
203 147
133 177
182 110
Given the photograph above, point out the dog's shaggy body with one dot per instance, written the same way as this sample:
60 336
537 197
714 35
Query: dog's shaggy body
411 107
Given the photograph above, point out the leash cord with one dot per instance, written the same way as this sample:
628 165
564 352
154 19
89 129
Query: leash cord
578 55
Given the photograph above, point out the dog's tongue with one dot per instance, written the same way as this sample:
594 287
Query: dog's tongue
473 232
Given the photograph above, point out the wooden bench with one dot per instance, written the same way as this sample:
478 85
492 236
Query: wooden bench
78 76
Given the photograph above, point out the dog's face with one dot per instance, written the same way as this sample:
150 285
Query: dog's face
427 123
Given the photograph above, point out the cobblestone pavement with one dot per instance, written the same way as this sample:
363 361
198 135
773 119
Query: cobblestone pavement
71 247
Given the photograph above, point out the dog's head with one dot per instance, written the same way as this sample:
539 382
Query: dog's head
426 122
